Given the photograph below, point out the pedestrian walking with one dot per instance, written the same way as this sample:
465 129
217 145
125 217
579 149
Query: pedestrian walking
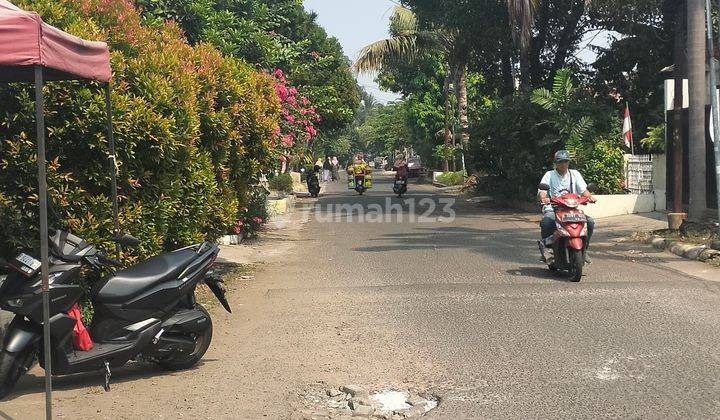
335 169
327 167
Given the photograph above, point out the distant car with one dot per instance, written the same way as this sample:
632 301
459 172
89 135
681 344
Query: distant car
415 167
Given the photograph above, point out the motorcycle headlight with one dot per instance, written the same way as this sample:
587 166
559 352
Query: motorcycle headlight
571 202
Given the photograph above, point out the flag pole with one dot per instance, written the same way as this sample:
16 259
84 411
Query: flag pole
627 119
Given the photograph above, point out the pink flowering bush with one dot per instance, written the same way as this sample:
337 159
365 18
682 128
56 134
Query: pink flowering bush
251 219
298 118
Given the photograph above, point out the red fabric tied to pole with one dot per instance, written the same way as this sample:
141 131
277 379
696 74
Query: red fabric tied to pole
81 336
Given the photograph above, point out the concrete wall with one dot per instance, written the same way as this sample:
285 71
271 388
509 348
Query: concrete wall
618 205
281 206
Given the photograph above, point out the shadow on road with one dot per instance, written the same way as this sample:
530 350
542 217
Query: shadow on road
538 273
497 244
34 383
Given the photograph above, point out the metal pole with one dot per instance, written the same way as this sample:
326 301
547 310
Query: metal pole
716 143
113 165
42 193
714 98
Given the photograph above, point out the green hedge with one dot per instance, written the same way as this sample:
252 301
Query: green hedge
451 178
282 182
192 128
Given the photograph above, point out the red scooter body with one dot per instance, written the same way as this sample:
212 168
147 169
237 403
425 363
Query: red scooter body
570 238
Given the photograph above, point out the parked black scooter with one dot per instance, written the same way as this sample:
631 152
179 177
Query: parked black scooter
147 311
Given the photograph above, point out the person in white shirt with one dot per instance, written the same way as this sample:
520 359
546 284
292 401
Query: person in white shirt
561 180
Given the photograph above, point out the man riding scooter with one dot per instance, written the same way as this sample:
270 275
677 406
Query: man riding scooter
401 176
560 181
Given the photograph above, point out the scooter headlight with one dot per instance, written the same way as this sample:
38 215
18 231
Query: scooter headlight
571 202
562 230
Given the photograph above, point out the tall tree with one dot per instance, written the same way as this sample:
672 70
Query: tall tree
521 15
410 42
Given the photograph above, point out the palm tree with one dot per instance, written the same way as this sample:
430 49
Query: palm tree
696 54
411 42
568 131
521 14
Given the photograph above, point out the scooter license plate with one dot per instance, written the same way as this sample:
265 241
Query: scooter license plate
26 265
399 182
574 218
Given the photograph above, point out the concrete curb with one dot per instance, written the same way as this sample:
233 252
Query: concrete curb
683 249
275 208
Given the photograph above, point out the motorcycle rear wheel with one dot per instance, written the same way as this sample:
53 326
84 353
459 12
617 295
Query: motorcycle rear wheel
202 343
577 262
12 367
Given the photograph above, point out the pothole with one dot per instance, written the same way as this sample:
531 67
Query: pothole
321 401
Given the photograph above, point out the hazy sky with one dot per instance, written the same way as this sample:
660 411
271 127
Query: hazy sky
356 23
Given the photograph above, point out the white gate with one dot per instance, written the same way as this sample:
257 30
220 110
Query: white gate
638 174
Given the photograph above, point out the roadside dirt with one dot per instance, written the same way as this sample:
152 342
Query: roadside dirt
210 390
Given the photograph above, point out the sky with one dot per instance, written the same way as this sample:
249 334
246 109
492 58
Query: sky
356 23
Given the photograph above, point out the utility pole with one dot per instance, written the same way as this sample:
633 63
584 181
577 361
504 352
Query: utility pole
697 66
716 112
678 215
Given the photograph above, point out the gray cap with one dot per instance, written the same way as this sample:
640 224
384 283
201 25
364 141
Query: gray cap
562 155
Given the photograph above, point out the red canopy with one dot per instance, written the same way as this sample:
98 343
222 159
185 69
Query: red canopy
26 41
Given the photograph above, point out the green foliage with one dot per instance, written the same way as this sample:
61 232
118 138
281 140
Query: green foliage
385 129
192 131
509 147
570 130
451 178
282 182
252 217
517 139
604 166
272 34
654 142
446 151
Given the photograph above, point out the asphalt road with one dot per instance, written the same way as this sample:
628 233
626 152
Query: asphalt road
458 306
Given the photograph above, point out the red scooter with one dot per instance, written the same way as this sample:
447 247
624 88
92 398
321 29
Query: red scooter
569 242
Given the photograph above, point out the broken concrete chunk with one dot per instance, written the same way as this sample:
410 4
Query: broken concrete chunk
360 410
332 392
414 400
354 390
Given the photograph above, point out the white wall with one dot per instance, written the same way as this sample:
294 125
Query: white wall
620 204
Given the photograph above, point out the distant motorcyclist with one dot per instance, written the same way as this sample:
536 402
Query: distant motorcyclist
359 171
401 176
401 168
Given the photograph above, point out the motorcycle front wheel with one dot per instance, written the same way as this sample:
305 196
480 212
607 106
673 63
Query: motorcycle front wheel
202 343
12 367
577 262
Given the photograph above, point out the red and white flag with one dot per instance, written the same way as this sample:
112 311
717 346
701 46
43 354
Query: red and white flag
627 128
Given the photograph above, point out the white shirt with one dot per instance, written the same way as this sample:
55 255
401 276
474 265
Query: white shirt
572 182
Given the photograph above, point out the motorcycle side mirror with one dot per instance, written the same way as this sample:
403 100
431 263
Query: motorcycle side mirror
127 240
544 187
592 188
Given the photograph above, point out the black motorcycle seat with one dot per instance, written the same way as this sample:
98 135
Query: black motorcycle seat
132 281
